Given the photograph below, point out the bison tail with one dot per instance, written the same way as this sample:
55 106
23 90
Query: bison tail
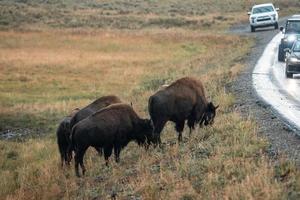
71 146
60 141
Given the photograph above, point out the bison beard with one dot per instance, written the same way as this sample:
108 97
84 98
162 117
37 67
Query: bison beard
110 128
183 100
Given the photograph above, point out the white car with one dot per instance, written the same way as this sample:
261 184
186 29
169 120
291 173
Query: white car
263 15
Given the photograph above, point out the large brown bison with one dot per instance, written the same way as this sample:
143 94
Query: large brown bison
183 100
64 129
83 113
112 127
62 135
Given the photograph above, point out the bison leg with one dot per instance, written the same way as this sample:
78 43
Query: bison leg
107 154
82 165
179 128
68 157
99 150
77 164
65 158
158 127
79 160
117 150
191 125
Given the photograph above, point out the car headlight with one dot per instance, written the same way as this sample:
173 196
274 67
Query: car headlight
252 19
274 16
294 60
291 38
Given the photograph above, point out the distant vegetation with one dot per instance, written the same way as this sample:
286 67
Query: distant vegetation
124 14
57 55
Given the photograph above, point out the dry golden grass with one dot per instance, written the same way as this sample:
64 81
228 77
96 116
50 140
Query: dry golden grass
46 74
68 68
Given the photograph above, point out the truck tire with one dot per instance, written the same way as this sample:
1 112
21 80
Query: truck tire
288 75
281 53
252 29
276 25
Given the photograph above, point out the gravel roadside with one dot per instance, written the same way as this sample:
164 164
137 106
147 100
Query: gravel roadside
282 137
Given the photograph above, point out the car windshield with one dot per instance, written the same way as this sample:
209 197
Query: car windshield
296 46
262 9
292 27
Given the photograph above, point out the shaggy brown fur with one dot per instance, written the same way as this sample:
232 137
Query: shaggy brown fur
182 100
112 127
96 105
83 113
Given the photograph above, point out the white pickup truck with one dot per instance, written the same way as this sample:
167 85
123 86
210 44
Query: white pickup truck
263 15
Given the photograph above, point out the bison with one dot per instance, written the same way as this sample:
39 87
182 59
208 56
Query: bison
64 129
62 134
83 113
182 100
110 128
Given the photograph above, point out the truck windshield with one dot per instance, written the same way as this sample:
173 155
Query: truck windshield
263 9
297 47
292 27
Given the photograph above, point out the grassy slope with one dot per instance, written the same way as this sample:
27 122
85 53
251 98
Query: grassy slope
45 73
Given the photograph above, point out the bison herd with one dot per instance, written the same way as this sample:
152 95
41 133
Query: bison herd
108 124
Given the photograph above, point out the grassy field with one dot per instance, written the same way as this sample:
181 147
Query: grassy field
59 55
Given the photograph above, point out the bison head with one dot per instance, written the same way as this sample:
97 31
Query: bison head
209 115
144 135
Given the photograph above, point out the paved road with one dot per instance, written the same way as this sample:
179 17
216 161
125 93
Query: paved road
271 84
280 131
